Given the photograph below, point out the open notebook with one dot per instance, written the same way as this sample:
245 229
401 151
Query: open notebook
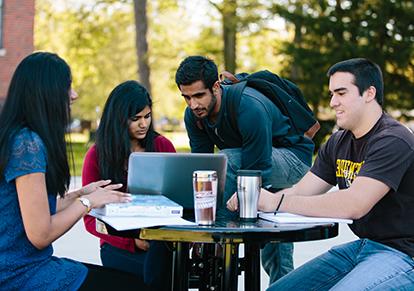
284 217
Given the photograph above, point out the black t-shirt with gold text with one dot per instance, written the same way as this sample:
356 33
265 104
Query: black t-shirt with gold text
385 153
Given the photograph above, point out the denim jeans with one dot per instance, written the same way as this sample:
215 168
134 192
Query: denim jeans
153 266
359 265
287 169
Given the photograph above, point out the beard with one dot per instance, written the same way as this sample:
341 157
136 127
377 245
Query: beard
212 104
209 109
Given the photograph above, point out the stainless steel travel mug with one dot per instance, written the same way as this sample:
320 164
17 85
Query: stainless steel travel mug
249 183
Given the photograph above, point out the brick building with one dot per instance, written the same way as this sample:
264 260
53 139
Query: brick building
16 38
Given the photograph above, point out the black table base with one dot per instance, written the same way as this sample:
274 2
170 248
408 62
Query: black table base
218 267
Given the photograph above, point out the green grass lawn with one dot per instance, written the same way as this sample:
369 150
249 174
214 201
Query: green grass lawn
79 150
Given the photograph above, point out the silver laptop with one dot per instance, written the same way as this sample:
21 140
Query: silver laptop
171 174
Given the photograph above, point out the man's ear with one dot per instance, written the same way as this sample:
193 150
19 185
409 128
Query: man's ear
216 88
371 92
216 85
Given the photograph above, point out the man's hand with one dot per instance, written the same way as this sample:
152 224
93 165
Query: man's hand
268 201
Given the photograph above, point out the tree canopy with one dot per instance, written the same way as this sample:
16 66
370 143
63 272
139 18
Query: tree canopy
325 32
295 38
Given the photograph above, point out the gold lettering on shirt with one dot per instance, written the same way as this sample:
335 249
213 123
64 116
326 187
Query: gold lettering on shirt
348 170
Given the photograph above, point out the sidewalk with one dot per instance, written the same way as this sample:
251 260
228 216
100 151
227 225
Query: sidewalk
80 245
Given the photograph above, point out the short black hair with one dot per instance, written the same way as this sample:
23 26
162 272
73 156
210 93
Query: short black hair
196 68
366 73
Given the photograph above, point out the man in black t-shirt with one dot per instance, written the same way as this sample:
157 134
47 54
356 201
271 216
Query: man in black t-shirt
372 161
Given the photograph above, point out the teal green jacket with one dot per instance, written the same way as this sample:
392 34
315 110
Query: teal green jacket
259 123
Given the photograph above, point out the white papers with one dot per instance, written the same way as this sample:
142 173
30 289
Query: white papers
135 222
285 217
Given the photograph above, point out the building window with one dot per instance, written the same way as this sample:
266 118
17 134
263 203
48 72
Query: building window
1 24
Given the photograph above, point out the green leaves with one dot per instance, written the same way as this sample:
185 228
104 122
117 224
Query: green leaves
298 39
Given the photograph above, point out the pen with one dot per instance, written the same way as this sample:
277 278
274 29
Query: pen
280 203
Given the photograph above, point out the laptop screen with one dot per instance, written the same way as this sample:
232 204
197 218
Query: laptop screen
171 174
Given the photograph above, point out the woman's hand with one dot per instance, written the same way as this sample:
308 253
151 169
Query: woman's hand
70 197
142 244
233 203
102 196
88 189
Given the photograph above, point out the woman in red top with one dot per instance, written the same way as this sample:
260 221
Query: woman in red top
125 127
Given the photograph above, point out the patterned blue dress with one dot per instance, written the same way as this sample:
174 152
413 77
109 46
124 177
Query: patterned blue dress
23 266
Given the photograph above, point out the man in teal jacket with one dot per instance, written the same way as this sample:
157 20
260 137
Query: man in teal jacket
259 121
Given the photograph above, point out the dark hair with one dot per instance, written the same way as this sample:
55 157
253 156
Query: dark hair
196 68
366 74
38 98
112 137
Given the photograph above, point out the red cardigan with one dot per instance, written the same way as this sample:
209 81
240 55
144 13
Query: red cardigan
90 173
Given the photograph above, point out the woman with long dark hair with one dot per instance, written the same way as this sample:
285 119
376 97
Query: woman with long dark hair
125 127
35 207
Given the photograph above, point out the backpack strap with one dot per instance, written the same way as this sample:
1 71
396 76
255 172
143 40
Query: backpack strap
228 78
310 133
235 85
233 97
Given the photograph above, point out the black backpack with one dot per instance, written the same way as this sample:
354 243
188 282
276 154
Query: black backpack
282 92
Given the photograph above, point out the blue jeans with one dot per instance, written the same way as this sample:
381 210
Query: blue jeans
153 266
287 170
359 265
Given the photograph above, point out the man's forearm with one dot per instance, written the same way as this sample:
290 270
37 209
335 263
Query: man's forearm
332 204
351 203
309 185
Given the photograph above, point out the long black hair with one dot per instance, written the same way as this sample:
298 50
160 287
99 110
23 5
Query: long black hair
112 137
38 99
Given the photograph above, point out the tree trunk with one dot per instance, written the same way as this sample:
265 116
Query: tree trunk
141 27
229 19
297 40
